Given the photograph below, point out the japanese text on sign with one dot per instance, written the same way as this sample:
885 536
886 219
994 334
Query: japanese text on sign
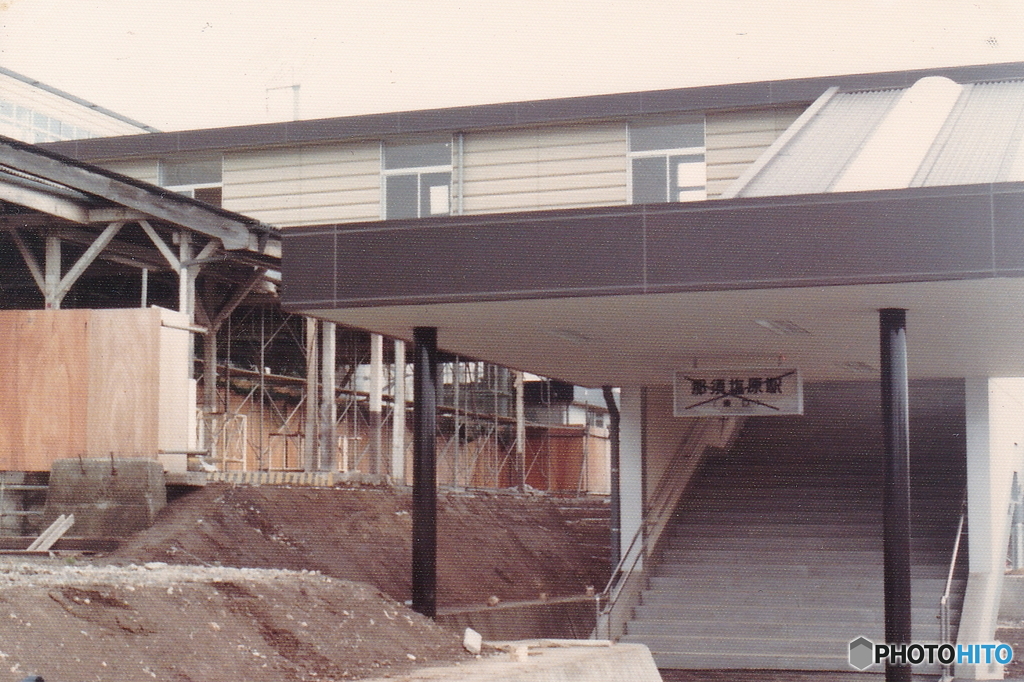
745 392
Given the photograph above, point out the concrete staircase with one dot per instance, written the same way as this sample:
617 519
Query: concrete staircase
774 560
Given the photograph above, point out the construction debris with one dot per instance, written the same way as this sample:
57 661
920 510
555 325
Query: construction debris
55 532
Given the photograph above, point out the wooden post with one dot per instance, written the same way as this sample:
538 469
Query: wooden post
210 390
51 278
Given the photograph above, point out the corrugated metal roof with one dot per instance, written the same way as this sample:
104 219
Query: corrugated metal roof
980 142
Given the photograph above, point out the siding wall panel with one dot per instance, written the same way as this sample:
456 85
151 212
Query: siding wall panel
305 185
735 139
545 168
146 170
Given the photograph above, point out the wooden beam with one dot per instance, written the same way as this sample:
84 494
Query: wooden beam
52 271
30 260
235 233
160 244
45 202
241 291
114 214
85 260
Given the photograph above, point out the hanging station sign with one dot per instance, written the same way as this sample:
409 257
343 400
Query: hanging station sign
756 392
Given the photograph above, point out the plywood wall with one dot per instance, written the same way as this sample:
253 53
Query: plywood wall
81 383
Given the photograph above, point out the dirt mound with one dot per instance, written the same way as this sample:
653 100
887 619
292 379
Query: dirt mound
180 624
513 547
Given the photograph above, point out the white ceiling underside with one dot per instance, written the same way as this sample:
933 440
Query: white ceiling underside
954 329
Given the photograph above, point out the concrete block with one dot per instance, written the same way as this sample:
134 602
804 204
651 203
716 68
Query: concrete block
619 663
109 498
472 641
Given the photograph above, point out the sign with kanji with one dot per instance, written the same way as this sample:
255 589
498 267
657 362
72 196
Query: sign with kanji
756 392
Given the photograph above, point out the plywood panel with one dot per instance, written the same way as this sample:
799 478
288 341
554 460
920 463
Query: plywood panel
123 382
51 383
87 383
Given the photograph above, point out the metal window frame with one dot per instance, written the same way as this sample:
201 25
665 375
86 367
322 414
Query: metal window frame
663 153
419 171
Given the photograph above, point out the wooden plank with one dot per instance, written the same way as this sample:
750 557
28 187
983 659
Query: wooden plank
55 532
11 458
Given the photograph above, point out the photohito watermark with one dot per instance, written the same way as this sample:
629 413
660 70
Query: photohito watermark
864 653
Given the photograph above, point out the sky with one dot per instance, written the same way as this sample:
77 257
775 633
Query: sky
186 64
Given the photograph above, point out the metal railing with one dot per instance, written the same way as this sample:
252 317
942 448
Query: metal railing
945 619
623 587
663 504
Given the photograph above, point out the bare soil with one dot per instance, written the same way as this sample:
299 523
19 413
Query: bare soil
489 544
202 595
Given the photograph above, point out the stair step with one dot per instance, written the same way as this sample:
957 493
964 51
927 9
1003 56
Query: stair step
777 614
694 582
698 601
785 543
846 630
774 559
837 558
740 572
709 660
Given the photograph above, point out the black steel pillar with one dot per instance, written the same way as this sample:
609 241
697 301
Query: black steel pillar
896 499
424 477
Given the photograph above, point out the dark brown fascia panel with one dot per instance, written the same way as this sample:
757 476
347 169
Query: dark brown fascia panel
911 235
490 116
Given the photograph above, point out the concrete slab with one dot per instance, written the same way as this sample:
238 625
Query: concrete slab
619 663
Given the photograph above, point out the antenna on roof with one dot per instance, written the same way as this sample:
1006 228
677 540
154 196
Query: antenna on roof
295 99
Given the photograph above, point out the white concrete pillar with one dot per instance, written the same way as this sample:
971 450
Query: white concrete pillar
328 398
398 417
631 470
995 436
312 393
376 400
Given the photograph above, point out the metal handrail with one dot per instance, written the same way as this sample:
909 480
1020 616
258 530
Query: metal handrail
945 624
662 502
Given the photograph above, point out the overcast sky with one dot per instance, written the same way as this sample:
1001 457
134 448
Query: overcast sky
180 64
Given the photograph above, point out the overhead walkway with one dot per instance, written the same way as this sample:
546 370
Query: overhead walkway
774 557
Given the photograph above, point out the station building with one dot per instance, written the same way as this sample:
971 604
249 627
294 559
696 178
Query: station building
747 264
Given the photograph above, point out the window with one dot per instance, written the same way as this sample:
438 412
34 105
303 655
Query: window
199 177
666 162
417 179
